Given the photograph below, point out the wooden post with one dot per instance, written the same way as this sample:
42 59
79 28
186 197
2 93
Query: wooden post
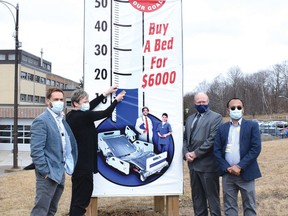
172 206
92 209
159 204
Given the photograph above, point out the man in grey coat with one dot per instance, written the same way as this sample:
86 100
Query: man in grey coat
53 152
200 131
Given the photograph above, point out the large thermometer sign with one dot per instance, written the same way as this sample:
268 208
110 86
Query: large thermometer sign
137 45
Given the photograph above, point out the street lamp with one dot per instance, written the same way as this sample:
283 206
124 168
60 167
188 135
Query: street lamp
15 127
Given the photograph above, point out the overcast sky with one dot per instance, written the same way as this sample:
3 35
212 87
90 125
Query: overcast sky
217 35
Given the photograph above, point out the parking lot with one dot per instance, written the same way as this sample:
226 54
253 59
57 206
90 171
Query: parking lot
274 128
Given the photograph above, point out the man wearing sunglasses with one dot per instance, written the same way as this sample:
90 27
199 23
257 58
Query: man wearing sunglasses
237 147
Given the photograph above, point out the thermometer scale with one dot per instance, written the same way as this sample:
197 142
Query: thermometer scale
126 59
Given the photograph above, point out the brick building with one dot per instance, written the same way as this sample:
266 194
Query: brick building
34 78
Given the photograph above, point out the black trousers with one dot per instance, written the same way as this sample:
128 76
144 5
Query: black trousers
82 188
205 193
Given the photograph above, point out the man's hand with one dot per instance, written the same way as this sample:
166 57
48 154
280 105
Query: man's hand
120 96
111 90
234 170
190 156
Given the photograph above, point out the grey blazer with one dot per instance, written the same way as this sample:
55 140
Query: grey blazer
46 146
202 141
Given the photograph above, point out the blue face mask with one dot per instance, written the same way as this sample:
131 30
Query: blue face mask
85 107
201 108
235 114
57 106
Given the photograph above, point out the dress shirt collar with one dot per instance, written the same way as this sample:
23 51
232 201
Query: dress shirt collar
239 122
55 116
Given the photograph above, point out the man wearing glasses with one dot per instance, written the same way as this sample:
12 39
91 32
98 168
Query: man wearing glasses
237 147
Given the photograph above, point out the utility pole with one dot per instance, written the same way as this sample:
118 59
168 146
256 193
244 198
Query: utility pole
17 45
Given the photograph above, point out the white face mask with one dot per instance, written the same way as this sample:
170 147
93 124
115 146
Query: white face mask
235 114
85 106
57 106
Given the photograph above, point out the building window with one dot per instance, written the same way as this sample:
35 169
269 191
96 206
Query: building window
36 99
30 60
23 97
24 58
35 62
24 134
30 77
52 83
5 134
11 57
37 79
23 75
68 102
30 98
2 57
42 100
48 82
42 80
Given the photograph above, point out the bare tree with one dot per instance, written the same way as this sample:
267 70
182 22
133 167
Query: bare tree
260 91
202 87
235 76
218 94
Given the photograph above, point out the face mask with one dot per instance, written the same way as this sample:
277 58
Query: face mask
201 108
85 107
235 114
57 106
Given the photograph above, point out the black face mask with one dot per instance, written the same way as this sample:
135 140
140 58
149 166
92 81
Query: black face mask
201 108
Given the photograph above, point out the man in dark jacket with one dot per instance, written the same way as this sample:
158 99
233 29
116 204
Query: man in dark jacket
237 147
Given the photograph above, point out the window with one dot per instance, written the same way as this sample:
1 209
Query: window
30 77
52 83
30 98
5 134
24 135
24 58
68 102
11 57
36 99
2 57
42 100
37 79
42 80
30 60
48 82
23 97
35 62
24 75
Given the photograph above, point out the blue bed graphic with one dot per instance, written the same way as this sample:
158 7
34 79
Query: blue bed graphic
126 154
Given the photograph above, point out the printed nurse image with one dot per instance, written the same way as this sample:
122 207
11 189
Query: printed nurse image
164 132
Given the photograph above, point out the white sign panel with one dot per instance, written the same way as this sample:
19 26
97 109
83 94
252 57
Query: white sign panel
136 44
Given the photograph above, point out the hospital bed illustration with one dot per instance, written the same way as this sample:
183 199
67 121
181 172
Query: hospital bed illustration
125 153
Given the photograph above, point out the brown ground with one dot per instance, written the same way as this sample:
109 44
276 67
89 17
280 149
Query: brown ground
17 190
